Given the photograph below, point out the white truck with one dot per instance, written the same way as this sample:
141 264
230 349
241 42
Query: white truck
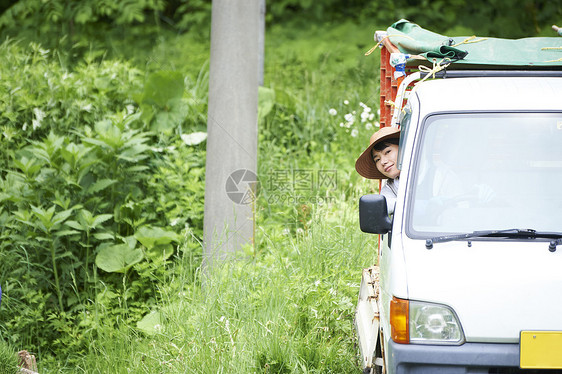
469 271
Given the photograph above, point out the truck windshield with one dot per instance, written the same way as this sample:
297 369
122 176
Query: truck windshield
487 171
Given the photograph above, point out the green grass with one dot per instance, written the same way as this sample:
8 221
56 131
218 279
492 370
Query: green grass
8 359
286 309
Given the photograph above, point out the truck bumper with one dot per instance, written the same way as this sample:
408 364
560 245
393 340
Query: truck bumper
469 358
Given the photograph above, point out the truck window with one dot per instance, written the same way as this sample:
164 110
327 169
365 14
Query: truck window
483 171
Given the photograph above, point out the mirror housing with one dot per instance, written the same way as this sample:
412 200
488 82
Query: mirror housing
373 214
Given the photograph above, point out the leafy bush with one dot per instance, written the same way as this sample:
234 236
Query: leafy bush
86 185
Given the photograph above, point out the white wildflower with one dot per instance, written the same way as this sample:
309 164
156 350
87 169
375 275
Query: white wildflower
333 112
87 108
317 283
346 102
349 117
341 124
368 126
354 133
371 116
378 112
364 116
39 115
195 138
377 124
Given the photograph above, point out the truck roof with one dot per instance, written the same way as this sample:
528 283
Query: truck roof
490 94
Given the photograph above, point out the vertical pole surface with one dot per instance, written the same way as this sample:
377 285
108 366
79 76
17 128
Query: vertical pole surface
261 43
231 165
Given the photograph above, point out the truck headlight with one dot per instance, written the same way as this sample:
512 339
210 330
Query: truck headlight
434 324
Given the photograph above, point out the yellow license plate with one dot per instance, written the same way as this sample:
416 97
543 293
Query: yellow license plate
540 350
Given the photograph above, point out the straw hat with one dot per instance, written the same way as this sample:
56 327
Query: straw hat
365 164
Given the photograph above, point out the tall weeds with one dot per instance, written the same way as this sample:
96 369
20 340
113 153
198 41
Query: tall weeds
289 309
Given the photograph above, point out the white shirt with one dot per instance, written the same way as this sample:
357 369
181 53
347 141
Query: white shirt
390 190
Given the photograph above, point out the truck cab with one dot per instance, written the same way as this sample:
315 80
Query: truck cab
468 277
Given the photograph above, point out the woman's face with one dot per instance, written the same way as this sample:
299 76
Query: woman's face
385 161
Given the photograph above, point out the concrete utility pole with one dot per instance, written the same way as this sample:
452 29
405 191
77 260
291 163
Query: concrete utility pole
231 164
261 43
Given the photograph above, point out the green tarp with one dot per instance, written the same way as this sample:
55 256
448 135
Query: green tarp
536 52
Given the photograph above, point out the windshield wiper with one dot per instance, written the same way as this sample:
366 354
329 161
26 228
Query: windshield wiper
509 233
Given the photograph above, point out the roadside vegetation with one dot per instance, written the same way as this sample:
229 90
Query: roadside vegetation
103 122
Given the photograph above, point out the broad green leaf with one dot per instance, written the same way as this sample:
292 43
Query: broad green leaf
45 217
61 216
103 236
151 323
27 166
99 219
170 117
75 225
100 185
162 87
118 258
152 236
160 252
66 232
131 241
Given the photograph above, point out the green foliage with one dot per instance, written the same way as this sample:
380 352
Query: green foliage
498 18
60 12
191 15
79 183
8 359
162 101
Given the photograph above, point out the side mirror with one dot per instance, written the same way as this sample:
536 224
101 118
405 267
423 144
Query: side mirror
373 214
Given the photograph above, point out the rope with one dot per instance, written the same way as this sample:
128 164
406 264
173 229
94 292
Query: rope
437 67
552 49
470 40
390 102
380 41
